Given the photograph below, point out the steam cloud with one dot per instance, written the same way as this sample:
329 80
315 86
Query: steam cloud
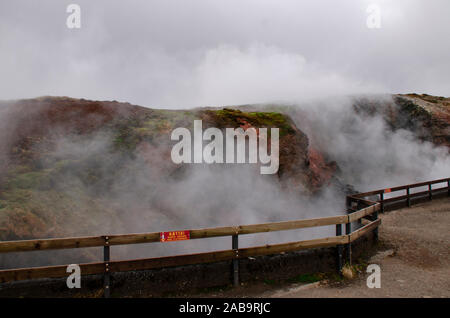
204 53
143 197
369 154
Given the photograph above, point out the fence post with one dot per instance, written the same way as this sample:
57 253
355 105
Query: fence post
381 202
348 203
106 259
430 192
339 248
235 247
348 231
375 232
408 200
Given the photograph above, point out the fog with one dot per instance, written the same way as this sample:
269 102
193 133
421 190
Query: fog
178 54
369 153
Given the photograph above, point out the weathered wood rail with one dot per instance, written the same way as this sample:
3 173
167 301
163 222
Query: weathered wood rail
407 197
363 209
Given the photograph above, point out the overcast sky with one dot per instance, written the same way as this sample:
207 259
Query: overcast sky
183 53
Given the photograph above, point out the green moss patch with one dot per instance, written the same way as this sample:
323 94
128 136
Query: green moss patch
232 118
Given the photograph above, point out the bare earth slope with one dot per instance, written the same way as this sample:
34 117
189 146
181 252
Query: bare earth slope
74 167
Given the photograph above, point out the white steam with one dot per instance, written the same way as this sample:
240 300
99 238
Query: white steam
369 154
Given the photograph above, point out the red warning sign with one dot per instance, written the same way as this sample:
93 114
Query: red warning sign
387 190
174 236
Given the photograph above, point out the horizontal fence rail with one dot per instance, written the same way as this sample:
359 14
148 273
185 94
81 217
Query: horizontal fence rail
92 241
365 212
170 261
407 197
403 187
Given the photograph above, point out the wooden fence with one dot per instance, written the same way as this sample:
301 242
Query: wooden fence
407 197
359 205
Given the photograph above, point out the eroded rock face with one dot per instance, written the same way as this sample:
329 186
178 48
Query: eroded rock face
436 120
427 116
294 172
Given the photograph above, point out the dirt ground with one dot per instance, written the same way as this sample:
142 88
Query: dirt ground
415 260
413 255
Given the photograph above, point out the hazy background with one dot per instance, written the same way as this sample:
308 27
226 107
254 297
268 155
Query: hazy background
178 54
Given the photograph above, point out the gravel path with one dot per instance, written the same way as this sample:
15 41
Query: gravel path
415 263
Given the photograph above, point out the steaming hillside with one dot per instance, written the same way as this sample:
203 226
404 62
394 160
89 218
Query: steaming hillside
380 141
76 167
72 167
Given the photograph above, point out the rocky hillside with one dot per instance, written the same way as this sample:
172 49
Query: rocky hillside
428 116
69 166
79 167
